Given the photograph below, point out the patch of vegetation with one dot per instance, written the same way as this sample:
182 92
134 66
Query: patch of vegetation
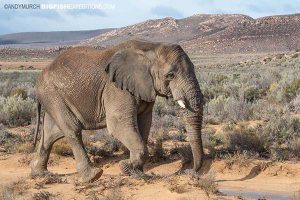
292 89
8 140
50 178
241 138
173 186
62 148
43 195
14 190
206 182
16 111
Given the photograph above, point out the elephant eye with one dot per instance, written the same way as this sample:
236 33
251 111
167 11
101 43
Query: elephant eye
170 76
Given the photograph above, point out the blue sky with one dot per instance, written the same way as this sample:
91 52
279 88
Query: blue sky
126 12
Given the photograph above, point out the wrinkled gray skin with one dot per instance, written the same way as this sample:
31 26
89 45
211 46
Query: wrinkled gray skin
87 89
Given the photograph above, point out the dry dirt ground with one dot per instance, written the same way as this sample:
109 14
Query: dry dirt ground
250 179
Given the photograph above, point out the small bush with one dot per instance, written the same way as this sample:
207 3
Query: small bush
8 140
62 148
292 90
295 104
12 191
283 133
222 109
173 186
184 152
16 111
238 109
19 92
206 182
239 159
43 195
111 143
282 129
210 141
113 194
155 147
251 93
241 138
216 109
25 147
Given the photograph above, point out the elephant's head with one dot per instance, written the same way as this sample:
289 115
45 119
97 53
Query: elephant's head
150 69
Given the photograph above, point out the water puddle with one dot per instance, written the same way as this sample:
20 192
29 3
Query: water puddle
255 194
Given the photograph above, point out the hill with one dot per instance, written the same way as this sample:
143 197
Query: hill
47 39
201 33
219 33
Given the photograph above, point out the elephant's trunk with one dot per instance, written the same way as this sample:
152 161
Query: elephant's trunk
193 123
189 96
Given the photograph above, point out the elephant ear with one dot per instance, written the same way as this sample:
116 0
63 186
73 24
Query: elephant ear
130 70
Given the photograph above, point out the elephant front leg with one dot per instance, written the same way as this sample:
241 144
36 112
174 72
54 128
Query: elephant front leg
128 134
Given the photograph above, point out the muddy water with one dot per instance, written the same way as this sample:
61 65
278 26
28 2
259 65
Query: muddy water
256 194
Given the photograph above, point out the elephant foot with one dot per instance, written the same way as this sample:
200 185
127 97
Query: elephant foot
127 168
91 175
38 171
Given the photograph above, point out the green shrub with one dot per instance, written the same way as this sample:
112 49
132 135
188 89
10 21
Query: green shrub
292 90
8 140
19 92
251 93
243 139
295 104
62 148
282 133
16 111
206 182
222 109
238 109
215 109
282 129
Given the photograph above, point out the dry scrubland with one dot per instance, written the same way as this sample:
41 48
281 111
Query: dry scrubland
251 132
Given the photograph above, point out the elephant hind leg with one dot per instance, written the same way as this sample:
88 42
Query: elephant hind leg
51 134
70 125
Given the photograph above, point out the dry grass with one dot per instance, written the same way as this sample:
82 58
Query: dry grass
50 178
185 153
113 194
43 195
156 150
25 147
239 159
296 196
173 186
206 182
11 191
25 160
62 147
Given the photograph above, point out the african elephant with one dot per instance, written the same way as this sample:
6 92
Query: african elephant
87 89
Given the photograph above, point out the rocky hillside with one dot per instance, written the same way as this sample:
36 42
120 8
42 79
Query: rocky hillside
220 33
202 33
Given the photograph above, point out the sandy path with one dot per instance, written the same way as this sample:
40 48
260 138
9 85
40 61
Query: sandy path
272 179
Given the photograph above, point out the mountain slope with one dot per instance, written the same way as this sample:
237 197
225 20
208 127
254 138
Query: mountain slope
48 38
220 33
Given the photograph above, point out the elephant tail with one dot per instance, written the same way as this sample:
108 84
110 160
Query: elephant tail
37 128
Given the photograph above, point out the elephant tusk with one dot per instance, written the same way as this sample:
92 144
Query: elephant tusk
181 103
